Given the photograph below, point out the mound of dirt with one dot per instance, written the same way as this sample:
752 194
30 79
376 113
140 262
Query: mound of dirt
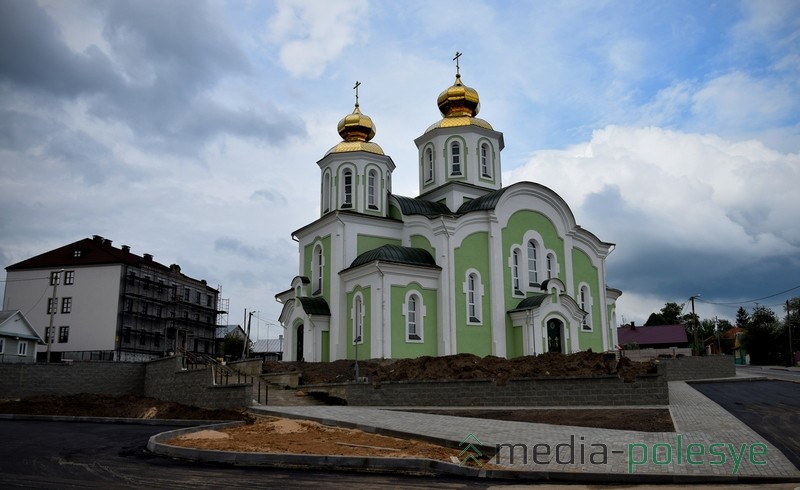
466 366
128 406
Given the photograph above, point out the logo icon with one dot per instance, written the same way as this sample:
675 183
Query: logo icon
470 451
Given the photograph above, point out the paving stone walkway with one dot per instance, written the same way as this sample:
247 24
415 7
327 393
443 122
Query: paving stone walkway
708 440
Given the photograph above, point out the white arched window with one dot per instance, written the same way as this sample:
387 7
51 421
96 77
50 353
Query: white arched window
358 319
317 269
586 305
347 189
455 158
515 263
551 266
326 192
414 311
474 291
533 271
485 164
372 182
428 165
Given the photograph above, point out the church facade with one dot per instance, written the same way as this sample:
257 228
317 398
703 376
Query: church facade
468 266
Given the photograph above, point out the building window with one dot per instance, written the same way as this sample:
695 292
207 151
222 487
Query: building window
52 304
160 288
2 345
55 278
515 262
48 334
208 300
186 294
358 320
145 309
326 192
158 311
474 293
586 305
142 337
77 253
131 277
156 339
197 297
428 165
69 278
372 177
126 335
146 282
455 158
533 273
317 269
485 166
347 198
66 305
22 349
63 335
414 311
551 266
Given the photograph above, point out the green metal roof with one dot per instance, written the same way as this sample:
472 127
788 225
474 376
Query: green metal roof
396 254
531 302
410 205
315 306
483 203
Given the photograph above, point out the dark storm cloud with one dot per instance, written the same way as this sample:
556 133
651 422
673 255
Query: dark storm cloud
164 59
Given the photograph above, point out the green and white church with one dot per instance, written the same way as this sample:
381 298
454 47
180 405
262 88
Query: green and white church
468 266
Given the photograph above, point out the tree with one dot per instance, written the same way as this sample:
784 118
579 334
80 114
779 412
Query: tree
761 337
670 314
233 345
742 318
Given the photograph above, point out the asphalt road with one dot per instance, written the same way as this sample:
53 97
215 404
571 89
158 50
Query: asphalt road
769 407
36 454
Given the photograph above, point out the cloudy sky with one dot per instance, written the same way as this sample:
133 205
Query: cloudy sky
190 130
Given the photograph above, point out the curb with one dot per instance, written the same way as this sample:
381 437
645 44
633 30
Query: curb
109 420
418 466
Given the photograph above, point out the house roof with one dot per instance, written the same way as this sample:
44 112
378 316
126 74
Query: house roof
531 302
315 305
267 345
411 205
656 334
95 251
223 330
397 255
14 324
483 203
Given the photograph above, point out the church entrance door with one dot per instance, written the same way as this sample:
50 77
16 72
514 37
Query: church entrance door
299 337
555 336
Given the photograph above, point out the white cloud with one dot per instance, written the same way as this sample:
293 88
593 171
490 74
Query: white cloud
312 34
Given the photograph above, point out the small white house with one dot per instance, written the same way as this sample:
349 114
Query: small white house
18 339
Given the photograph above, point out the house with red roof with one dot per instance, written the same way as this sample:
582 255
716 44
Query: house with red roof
653 340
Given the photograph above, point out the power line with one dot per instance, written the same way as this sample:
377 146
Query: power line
738 303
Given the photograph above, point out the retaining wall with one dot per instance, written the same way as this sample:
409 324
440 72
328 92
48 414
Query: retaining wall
165 380
567 391
699 367
110 378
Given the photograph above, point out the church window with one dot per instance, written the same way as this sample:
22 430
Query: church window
586 305
372 177
473 291
515 261
317 269
551 264
358 320
533 272
455 158
414 311
428 165
485 166
326 192
347 201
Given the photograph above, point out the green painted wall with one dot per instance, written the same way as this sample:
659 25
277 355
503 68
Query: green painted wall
402 349
365 243
473 253
326 346
419 241
326 253
514 341
364 348
584 271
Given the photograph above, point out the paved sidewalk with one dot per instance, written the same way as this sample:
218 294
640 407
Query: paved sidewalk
698 420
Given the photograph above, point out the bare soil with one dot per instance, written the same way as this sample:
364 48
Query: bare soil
466 366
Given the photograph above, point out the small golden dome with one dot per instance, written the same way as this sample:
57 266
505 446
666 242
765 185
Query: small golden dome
356 127
459 100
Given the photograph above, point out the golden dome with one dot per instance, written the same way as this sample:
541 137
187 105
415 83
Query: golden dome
356 130
459 100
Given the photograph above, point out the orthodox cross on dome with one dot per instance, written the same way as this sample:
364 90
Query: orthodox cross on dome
458 69
356 89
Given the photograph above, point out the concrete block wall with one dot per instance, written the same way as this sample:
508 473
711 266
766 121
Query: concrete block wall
699 367
570 391
166 380
110 378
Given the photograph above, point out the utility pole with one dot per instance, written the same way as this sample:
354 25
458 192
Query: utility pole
49 335
247 335
789 327
696 325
